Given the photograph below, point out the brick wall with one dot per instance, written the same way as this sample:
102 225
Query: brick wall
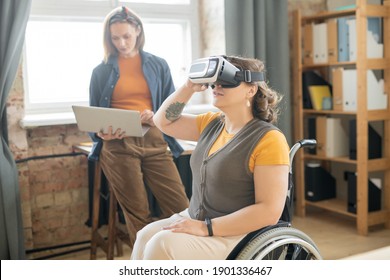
54 191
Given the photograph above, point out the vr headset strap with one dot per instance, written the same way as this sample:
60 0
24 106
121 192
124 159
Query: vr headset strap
248 76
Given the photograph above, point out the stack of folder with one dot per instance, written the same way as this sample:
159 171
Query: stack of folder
374 47
336 40
345 90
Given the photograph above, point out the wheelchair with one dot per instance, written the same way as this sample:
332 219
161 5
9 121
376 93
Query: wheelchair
280 241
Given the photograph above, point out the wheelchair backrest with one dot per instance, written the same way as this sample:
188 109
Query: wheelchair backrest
288 210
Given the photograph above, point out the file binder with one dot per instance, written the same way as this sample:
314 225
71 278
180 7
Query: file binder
332 41
374 38
342 39
349 86
308 43
376 96
374 25
332 138
320 45
374 47
317 95
337 79
352 39
319 184
374 193
374 142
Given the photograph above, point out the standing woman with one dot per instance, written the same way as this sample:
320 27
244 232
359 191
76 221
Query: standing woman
130 78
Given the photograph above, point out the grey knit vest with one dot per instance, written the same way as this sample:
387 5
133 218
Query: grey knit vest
222 182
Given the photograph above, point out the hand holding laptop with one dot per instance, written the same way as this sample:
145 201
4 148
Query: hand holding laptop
110 135
111 123
146 118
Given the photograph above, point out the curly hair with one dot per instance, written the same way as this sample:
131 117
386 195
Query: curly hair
266 100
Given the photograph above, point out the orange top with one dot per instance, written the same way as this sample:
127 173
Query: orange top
131 91
272 149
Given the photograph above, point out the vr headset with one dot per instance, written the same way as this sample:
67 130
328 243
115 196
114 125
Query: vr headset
217 70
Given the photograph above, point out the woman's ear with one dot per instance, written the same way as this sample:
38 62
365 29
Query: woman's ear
252 91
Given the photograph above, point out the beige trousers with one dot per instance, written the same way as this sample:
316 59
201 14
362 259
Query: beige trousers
133 162
153 243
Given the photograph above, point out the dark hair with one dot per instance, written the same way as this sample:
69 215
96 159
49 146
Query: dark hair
265 101
121 14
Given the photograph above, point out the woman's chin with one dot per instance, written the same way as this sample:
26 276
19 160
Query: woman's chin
217 104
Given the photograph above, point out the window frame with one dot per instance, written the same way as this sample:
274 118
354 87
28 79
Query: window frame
83 10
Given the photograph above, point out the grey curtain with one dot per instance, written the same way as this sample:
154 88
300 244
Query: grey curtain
13 20
259 29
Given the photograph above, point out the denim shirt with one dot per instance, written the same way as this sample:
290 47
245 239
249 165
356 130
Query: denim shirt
103 81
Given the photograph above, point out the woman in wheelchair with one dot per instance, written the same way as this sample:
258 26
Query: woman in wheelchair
240 165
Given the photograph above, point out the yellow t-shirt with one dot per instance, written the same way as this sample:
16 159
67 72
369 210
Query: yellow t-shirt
271 150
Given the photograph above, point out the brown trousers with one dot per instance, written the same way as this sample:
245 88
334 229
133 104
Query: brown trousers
133 162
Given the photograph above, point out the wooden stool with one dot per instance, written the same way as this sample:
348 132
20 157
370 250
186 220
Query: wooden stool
115 234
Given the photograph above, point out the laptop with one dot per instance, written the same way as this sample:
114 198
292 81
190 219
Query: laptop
96 119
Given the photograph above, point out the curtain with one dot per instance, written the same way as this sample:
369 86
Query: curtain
13 20
259 29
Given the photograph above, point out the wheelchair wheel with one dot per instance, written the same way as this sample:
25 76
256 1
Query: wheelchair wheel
283 243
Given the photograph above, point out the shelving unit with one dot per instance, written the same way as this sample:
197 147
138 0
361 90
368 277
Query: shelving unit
362 165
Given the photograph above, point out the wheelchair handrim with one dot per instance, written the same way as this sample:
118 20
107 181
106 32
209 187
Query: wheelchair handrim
311 250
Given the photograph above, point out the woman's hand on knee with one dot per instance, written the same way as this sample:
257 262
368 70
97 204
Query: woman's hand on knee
190 226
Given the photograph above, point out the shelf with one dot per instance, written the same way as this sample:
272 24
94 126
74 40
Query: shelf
327 112
378 217
339 206
370 11
332 159
323 65
362 115
373 115
378 63
327 15
380 164
335 205
372 64
377 11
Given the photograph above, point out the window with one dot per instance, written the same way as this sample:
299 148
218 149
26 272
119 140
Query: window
64 44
